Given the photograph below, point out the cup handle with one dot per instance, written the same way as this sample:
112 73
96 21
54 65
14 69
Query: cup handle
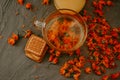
39 24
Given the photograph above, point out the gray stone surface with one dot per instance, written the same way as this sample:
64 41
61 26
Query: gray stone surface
14 65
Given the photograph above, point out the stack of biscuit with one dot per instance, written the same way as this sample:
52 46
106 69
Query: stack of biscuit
35 48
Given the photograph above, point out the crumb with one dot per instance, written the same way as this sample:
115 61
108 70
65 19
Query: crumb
1 36
16 13
23 26
26 15
34 17
34 9
42 19
36 66
36 77
93 78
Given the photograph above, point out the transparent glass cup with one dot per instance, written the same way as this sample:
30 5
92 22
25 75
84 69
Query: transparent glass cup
63 30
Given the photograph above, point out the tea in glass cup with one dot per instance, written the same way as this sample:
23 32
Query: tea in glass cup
64 30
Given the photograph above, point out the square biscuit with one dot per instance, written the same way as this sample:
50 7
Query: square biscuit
35 48
35 45
34 57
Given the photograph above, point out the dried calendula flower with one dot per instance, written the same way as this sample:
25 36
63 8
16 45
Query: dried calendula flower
76 76
115 76
106 77
55 60
109 3
28 5
15 36
62 71
67 74
27 33
98 72
118 57
51 58
46 2
21 2
88 70
57 53
78 52
11 41
76 69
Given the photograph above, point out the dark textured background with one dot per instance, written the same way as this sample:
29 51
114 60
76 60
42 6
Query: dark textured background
14 65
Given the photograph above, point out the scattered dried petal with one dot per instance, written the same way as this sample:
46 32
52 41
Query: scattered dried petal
55 60
16 13
28 33
1 36
57 53
51 58
23 26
